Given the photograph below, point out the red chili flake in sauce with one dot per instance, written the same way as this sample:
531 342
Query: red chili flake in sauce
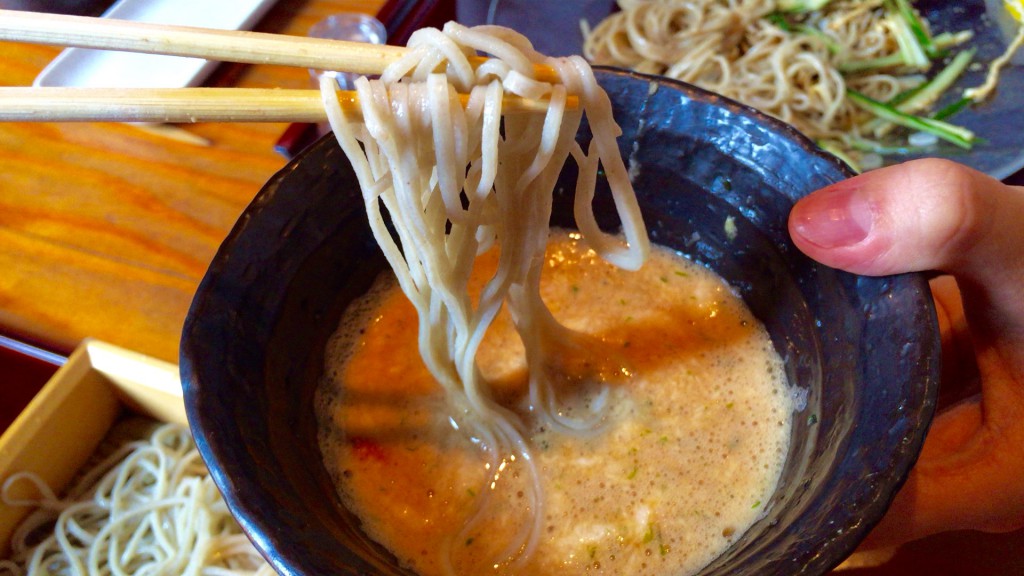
367 449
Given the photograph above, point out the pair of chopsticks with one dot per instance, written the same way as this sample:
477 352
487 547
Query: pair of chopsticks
187 105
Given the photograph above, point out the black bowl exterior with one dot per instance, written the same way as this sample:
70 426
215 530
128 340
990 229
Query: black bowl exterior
253 352
863 351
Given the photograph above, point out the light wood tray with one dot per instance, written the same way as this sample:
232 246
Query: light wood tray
65 422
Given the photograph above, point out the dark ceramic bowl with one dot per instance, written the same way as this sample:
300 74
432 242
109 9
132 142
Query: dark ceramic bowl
865 349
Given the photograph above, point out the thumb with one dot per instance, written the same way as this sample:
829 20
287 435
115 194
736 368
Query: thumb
938 215
925 215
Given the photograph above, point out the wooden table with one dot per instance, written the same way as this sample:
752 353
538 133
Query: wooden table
106 229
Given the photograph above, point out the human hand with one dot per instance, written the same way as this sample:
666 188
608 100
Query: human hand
936 215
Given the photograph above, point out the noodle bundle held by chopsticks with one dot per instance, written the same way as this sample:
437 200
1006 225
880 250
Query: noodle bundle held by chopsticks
457 181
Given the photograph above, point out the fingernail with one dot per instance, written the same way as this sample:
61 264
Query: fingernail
833 217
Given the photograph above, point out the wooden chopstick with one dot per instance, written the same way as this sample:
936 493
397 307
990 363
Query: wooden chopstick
188 105
209 44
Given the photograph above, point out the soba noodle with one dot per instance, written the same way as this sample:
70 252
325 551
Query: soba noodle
150 507
457 181
796 67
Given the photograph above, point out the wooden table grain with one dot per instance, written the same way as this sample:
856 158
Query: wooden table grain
106 229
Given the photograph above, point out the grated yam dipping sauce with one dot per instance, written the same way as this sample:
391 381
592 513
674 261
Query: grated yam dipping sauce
693 436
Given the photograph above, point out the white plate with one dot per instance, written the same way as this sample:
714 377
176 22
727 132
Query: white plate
85 67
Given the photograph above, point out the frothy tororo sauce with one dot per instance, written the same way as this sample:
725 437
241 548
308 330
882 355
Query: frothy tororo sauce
690 450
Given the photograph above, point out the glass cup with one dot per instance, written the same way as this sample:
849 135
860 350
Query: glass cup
349 26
